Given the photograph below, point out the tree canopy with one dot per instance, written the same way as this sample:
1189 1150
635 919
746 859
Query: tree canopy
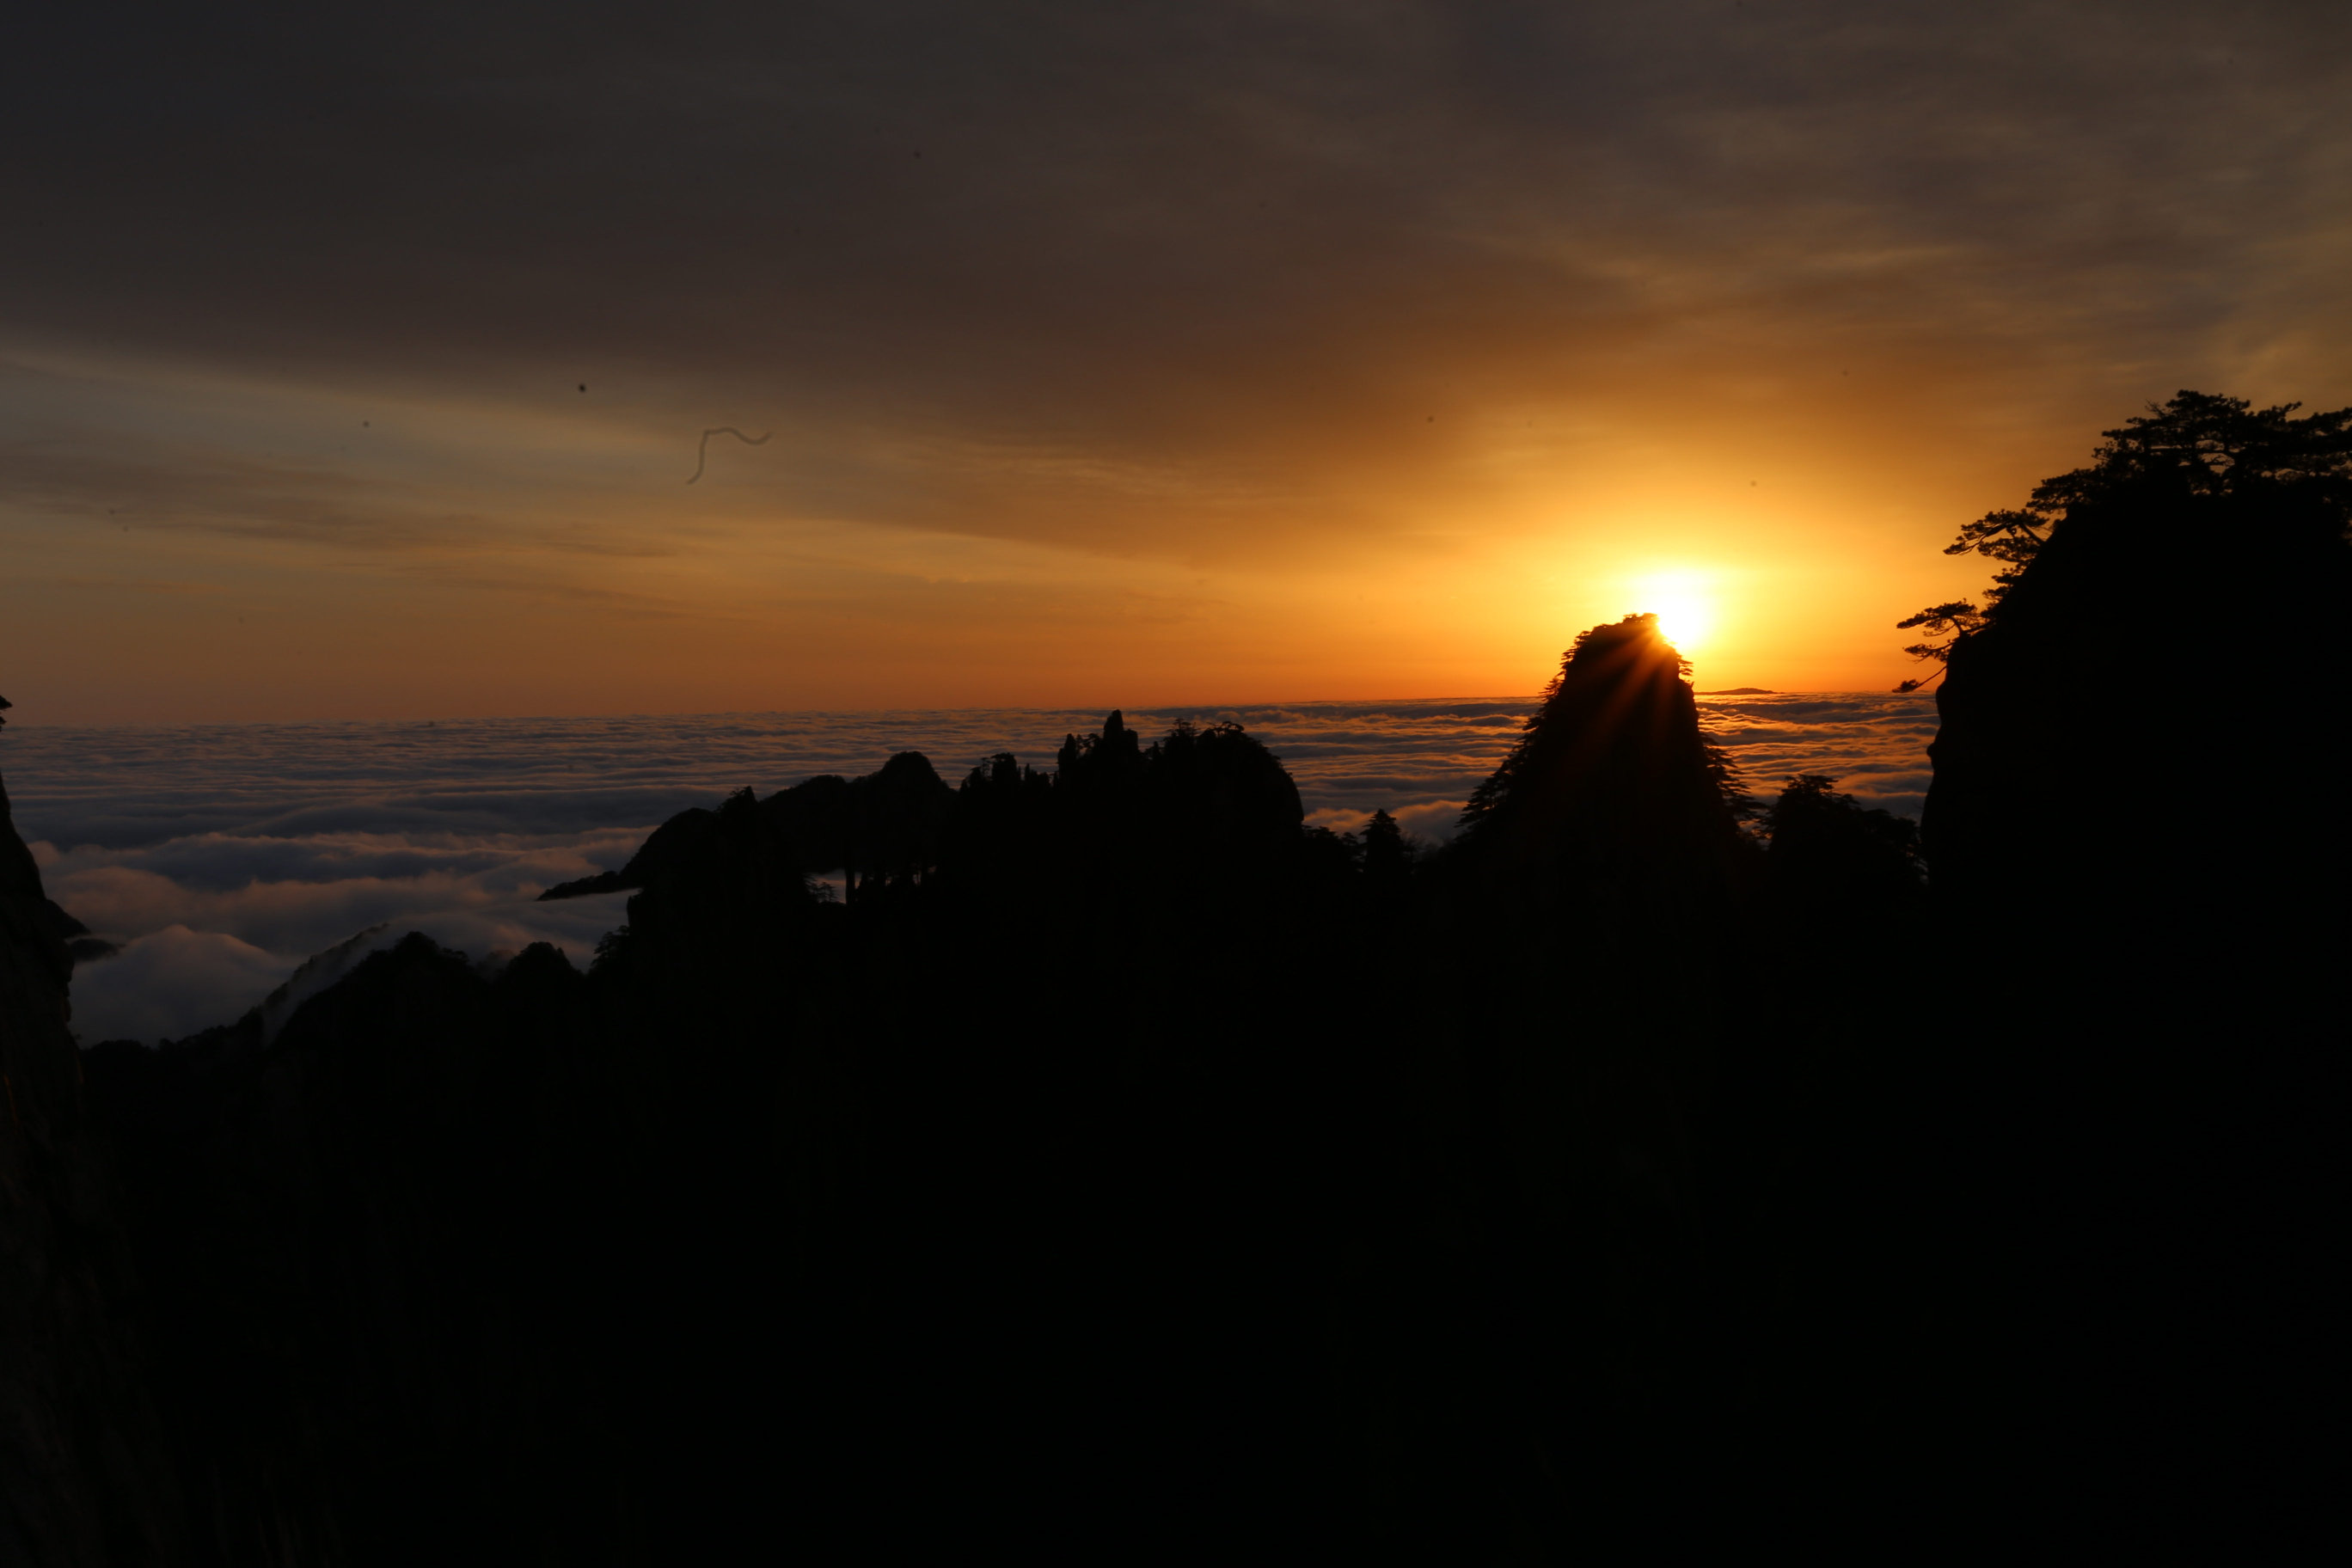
2195 444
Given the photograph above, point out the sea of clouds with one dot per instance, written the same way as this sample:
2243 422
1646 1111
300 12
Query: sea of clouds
220 857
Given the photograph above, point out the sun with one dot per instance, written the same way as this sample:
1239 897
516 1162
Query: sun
1685 608
1682 622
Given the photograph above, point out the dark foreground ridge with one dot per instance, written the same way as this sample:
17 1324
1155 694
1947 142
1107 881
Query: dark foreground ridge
1122 1170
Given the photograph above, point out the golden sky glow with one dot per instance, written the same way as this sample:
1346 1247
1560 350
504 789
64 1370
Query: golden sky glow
1375 355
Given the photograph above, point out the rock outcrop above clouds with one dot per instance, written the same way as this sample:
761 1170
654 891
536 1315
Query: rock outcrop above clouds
84 1475
2141 935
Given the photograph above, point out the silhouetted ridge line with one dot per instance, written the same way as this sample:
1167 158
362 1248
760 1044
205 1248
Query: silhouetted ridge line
1640 1175
1114 1053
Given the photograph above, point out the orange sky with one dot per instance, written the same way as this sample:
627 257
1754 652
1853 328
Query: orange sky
1134 360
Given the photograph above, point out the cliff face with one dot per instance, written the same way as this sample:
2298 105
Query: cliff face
2195 835
357 1310
83 1475
2142 918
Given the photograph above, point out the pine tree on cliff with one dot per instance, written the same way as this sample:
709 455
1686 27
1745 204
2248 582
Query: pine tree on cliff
2194 445
1611 779
2210 512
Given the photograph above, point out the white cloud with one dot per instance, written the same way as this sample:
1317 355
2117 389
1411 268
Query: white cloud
172 982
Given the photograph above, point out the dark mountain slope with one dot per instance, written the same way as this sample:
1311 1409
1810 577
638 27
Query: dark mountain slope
2143 937
83 1474
1121 1168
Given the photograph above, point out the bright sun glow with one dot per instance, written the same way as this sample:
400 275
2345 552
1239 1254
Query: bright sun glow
1680 600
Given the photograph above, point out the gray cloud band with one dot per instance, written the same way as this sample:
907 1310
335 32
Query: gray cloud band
1221 250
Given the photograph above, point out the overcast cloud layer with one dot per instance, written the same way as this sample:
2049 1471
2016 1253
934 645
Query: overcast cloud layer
1337 347
223 856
